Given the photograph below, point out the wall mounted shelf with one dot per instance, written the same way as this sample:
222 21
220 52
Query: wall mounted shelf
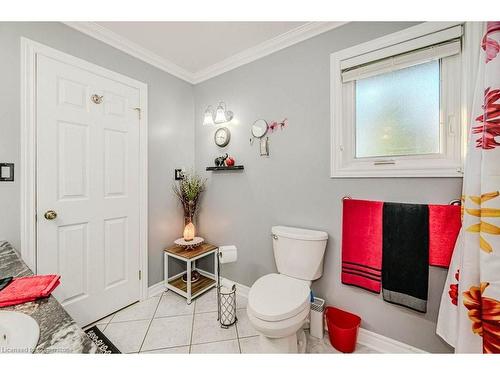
234 168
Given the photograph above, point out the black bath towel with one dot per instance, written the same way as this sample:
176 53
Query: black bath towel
405 255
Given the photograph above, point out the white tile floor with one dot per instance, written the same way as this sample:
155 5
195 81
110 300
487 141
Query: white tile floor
166 324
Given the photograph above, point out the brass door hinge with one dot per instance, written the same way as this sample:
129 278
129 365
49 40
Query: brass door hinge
138 111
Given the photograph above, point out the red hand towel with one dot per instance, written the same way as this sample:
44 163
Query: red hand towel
27 289
445 222
362 244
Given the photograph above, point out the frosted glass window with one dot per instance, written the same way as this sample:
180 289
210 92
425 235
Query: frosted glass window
397 113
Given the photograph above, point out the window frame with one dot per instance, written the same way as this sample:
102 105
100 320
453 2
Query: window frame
447 163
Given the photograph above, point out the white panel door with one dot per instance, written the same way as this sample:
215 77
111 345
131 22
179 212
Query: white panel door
88 174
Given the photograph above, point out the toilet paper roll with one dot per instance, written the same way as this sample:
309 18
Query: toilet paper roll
228 254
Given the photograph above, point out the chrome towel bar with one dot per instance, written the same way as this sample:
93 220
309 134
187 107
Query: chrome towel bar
454 202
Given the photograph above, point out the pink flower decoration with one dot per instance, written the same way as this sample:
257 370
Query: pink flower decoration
489 121
273 126
490 45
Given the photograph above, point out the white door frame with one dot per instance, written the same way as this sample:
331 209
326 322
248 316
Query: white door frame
29 50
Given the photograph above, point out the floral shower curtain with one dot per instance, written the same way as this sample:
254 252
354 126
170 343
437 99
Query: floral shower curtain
469 315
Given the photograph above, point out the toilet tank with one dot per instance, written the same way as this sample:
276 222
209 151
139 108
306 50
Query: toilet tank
299 252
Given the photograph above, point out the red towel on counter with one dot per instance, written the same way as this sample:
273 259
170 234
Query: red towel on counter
445 222
362 244
27 289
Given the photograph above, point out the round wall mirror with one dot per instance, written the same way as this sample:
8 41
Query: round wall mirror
259 128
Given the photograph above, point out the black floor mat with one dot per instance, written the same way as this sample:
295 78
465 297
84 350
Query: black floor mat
101 340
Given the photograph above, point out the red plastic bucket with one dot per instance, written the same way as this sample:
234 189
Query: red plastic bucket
342 328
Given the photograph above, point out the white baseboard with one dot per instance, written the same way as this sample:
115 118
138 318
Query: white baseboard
156 289
241 289
385 344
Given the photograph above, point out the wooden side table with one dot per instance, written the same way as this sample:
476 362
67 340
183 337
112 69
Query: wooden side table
190 290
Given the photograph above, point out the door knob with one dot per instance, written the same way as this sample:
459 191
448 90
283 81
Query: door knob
50 215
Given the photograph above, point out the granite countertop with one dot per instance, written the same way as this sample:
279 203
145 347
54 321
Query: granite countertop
58 331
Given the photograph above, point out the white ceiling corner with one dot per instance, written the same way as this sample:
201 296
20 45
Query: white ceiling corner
294 36
113 39
256 46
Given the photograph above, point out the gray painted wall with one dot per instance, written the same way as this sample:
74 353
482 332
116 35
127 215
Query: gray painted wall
171 131
292 186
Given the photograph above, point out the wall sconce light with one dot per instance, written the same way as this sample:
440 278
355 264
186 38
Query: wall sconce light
221 115
208 118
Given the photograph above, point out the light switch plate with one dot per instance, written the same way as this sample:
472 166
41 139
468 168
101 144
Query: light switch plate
179 174
6 171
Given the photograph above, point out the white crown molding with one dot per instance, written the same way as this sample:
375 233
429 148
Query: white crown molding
268 47
294 36
109 37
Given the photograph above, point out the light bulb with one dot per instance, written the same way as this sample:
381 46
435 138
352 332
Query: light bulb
208 119
220 114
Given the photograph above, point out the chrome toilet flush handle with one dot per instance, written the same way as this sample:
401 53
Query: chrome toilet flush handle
275 237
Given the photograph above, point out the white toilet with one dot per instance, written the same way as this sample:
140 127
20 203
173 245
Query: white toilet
279 303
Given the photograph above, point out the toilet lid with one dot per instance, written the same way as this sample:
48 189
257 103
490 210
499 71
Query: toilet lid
277 297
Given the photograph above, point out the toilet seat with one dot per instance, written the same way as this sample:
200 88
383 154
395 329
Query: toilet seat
276 297
282 328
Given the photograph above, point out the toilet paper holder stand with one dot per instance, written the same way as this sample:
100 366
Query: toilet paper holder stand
226 300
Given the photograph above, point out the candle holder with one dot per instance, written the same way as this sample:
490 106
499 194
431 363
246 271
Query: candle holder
197 241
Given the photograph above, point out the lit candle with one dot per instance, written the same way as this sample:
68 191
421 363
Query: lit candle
188 232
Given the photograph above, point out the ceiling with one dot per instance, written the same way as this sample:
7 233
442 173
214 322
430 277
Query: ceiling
195 46
196 51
